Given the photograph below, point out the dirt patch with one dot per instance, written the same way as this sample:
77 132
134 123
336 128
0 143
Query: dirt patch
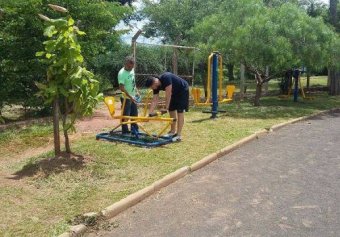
99 121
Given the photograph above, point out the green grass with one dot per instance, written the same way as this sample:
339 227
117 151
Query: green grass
15 141
273 84
315 81
48 193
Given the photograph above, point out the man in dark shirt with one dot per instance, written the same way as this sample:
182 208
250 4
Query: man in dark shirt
176 99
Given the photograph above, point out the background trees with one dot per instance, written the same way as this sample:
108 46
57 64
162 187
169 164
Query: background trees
259 33
21 36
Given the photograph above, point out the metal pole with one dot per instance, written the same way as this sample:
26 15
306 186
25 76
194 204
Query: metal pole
193 70
171 46
214 109
296 84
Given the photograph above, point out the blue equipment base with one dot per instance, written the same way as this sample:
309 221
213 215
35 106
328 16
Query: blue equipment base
141 139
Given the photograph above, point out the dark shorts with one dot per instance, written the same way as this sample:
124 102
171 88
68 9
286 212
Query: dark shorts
180 102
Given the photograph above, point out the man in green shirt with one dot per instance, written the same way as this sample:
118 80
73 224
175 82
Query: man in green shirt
127 84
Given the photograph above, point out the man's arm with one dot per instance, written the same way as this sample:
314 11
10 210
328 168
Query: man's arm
122 88
168 92
153 103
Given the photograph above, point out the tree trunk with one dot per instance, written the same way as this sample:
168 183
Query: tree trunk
67 142
2 120
334 79
56 127
333 75
286 83
258 94
65 128
328 77
203 72
230 68
266 84
333 12
308 81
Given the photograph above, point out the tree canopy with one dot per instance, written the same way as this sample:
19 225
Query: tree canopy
21 36
273 33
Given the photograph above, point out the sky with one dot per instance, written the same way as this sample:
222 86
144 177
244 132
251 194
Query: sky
134 27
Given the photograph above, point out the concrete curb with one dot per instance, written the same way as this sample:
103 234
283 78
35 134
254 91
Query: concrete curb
171 178
75 231
127 202
140 195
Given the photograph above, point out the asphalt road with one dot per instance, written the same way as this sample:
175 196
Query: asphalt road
284 184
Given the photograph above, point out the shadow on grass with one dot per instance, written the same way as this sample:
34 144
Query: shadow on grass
54 165
202 120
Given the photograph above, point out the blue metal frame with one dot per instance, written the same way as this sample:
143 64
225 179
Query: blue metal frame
296 74
214 108
139 140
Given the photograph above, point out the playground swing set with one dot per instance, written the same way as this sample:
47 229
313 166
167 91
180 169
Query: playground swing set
214 86
145 138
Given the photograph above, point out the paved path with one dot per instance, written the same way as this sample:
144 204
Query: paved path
284 184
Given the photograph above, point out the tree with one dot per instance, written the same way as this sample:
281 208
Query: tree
98 19
281 38
21 36
69 86
173 19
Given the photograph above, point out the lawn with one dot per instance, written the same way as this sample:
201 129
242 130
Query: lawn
14 141
45 194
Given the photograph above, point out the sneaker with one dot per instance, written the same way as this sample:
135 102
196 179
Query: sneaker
176 138
170 134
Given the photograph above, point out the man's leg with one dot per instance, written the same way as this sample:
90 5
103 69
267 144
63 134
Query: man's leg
180 123
134 112
182 106
173 114
126 112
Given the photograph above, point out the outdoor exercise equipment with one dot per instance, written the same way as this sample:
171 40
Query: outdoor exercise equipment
297 86
214 86
215 70
145 138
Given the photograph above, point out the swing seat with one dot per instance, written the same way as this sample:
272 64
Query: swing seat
196 94
230 89
110 103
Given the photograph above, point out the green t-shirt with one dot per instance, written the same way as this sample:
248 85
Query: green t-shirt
127 78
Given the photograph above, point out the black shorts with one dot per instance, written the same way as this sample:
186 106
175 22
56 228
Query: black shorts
180 102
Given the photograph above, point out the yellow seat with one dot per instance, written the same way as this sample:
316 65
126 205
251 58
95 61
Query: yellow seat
196 94
230 93
110 103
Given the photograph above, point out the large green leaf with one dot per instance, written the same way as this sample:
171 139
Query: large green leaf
50 31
